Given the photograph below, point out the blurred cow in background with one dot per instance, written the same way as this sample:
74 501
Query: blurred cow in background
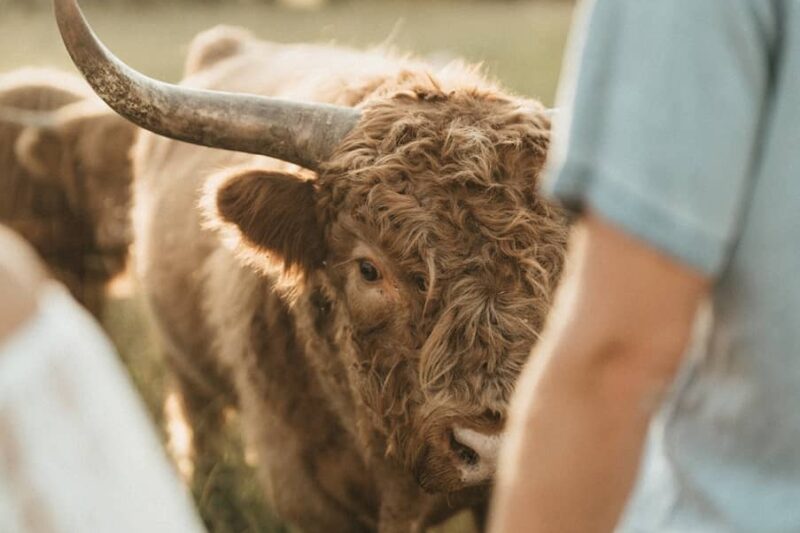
65 177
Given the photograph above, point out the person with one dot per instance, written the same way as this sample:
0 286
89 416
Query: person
77 452
679 153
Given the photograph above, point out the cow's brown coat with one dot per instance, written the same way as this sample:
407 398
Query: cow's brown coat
66 186
347 387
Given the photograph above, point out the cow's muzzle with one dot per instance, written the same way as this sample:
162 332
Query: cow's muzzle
459 456
475 452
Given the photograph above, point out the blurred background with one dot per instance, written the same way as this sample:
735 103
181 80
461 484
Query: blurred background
519 42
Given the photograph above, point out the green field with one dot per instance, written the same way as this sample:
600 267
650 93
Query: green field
520 42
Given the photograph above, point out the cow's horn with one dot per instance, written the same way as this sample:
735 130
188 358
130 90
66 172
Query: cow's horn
301 133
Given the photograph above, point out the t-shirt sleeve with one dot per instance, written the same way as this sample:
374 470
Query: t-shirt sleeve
661 110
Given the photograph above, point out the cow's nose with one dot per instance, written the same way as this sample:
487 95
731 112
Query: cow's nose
476 453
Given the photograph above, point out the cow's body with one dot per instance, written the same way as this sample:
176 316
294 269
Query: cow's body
65 175
233 329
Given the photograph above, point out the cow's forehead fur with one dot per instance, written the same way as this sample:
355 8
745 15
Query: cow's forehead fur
445 183
427 167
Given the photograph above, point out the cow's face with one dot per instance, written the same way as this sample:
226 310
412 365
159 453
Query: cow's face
433 262
102 157
86 154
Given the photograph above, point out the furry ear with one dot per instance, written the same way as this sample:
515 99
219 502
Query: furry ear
40 151
274 213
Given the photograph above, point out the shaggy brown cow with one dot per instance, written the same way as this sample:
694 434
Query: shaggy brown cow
369 312
65 174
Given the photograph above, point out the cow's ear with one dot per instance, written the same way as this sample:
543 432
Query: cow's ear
40 151
273 213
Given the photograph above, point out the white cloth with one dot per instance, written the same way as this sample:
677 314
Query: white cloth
77 450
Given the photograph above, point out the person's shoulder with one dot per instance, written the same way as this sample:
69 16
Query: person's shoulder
22 276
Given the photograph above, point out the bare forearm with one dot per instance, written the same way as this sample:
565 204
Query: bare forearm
613 343
575 453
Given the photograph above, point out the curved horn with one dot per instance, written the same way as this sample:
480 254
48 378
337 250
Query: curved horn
300 133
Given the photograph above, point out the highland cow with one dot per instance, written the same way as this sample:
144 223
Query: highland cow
65 173
367 294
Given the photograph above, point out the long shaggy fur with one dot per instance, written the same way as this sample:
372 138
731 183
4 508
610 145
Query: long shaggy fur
445 178
348 388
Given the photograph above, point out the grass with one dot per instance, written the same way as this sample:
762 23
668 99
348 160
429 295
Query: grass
521 43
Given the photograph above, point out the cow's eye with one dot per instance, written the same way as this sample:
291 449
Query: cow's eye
421 282
368 270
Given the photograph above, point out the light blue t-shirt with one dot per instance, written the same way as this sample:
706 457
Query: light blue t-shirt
682 126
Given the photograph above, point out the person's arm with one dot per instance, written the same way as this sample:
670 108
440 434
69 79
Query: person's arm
21 277
580 415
